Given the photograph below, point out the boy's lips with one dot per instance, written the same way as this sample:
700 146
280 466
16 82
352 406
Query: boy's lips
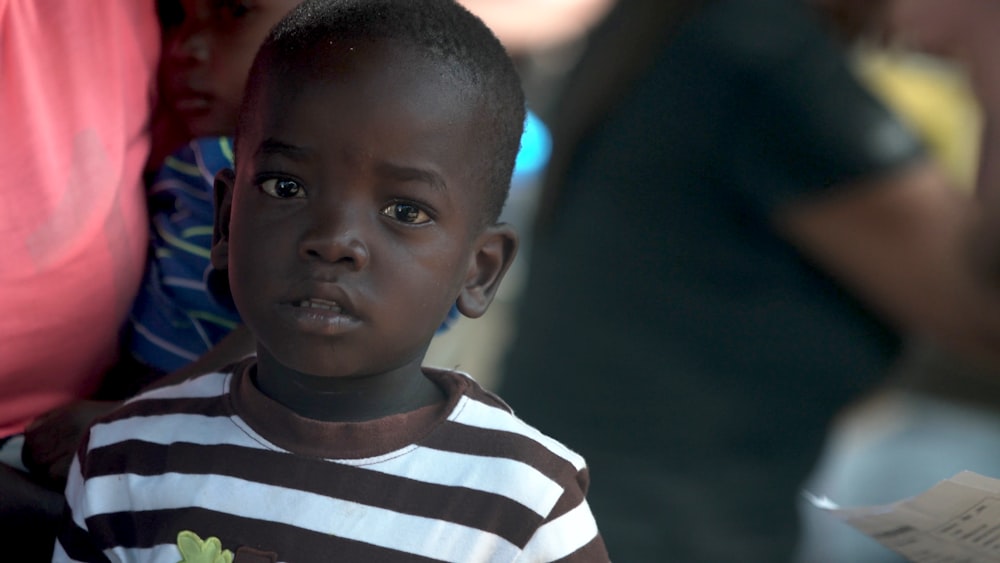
185 96
191 103
321 315
323 304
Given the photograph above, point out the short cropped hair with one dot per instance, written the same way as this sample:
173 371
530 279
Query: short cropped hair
442 30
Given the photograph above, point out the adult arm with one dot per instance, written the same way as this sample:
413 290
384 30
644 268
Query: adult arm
966 32
985 72
901 243
857 195
915 248
986 240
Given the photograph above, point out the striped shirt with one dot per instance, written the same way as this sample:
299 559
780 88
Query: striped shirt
214 465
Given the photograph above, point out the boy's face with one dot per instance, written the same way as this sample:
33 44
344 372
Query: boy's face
355 218
207 54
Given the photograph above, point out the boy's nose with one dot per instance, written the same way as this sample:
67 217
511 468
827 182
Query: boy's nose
335 241
190 44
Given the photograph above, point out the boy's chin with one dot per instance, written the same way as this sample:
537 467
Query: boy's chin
208 126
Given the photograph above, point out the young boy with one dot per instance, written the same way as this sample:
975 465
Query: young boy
182 321
373 155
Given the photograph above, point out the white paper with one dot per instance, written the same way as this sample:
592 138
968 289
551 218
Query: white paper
955 521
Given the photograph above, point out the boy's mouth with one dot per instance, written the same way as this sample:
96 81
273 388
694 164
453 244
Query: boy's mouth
324 317
322 304
192 103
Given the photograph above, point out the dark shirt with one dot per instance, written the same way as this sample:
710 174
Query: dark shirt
667 331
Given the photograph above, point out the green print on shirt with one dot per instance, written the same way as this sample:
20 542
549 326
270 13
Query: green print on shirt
196 550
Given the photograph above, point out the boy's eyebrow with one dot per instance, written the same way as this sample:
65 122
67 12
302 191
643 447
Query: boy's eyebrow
409 173
272 146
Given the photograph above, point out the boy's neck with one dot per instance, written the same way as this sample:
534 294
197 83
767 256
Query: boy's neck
346 399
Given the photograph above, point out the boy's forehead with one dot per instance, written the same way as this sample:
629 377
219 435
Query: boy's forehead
379 101
364 73
330 54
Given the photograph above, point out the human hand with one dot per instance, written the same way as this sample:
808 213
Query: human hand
51 440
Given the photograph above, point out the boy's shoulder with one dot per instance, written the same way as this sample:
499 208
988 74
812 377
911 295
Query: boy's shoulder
163 413
482 423
198 394
211 383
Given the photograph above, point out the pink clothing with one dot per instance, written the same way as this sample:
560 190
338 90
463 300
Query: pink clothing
75 103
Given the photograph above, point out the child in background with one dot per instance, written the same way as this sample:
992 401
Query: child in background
183 310
373 155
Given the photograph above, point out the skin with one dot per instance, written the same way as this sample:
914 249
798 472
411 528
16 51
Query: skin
207 56
352 224
965 31
962 29
902 243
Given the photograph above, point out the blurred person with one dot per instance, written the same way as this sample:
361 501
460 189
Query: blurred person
938 413
933 97
928 90
78 80
734 238
935 416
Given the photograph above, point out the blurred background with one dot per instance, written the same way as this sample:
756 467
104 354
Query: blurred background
935 413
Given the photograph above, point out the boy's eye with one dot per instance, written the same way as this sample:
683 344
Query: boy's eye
406 213
171 14
232 8
282 188
238 10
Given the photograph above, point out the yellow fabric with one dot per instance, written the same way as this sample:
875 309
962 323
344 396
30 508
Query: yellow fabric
933 97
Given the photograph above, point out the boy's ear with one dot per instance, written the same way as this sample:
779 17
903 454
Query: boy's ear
494 254
225 181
